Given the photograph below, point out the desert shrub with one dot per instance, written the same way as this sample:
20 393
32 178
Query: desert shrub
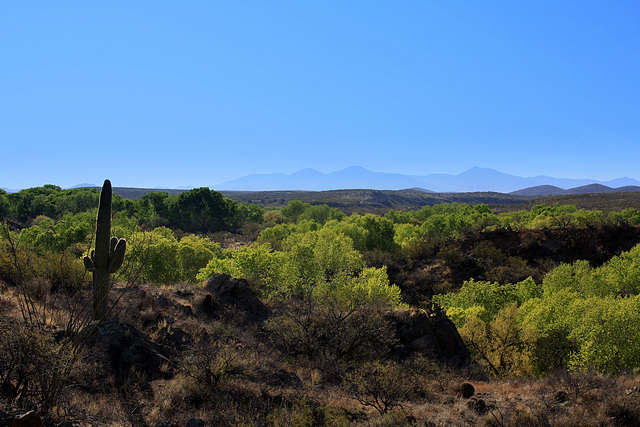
58 236
33 366
607 333
504 345
623 411
321 214
300 414
271 218
576 385
379 232
23 264
485 299
488 254
621 274
257 263
514 269
304 412
576 277
404 233
450 254
324 336
417 248
159 257
294 209
319 265
210 363
355 232
380 385
628 216
194 253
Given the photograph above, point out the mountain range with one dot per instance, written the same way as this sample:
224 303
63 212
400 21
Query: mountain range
472 180
476 179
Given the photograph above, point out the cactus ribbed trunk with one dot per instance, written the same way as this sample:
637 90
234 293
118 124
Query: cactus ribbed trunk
101 255
108 255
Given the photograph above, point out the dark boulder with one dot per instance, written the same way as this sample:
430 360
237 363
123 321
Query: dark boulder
434 336
228 292
28 419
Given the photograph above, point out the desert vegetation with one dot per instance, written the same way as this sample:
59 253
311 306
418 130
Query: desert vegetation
228 313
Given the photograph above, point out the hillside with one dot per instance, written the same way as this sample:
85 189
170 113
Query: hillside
429 317
380 201
173 354
372 200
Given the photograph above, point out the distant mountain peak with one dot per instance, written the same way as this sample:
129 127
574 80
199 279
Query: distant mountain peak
307 171
354 168
357 177
84 185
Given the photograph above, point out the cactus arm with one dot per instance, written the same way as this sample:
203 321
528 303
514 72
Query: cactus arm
88 264
118 256
112 246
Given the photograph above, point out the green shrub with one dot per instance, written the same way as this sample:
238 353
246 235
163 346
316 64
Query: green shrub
159 257
504 345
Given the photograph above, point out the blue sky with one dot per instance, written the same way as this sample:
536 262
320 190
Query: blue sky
171 94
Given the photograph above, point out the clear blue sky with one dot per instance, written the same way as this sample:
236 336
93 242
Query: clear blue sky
176 93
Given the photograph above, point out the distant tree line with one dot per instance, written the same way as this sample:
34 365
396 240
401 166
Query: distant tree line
197 211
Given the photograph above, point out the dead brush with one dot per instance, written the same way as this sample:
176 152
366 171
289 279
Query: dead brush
577 385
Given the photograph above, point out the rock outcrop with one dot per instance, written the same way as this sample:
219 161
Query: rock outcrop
434 336
225 292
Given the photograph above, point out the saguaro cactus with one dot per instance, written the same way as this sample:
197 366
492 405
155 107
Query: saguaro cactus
108 255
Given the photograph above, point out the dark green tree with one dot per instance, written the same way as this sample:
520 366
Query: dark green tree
202 210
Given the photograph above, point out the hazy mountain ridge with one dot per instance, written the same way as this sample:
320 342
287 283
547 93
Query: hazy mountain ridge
9 190
476 179
355 177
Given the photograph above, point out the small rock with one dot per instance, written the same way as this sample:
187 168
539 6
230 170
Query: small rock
195 422
28 419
